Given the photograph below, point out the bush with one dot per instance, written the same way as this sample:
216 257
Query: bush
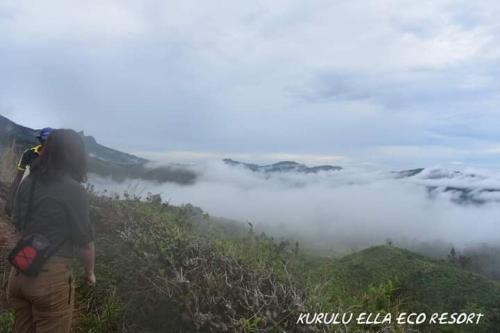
6 322
163 276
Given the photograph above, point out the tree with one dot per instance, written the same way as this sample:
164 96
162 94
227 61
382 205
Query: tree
452 257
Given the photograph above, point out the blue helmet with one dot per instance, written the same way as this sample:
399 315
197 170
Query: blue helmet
44 133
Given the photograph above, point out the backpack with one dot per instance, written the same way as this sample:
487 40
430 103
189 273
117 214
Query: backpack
33 249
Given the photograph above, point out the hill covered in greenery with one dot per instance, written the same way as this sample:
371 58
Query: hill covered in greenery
103 161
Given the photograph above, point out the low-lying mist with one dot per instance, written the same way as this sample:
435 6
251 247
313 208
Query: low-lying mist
347 209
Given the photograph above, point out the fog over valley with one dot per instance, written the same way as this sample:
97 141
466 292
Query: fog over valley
349 208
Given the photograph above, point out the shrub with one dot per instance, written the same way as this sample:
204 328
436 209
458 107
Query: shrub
167 277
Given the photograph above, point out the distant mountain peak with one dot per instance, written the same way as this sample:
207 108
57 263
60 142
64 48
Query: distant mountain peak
282 166
462 187
286 163
408 173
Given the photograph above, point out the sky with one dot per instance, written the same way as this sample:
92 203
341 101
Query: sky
398 84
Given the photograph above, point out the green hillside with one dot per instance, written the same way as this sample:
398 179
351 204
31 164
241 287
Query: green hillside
415 283
436 284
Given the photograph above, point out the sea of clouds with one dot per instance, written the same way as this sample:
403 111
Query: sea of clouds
351 208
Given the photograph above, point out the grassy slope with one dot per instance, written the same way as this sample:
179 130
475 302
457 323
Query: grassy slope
386 278
434 284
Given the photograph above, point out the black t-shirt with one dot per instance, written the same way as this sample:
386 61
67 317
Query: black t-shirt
60 212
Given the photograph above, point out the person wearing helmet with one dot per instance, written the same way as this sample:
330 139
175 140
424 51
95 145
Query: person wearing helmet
29 155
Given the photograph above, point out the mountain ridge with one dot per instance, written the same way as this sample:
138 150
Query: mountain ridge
282 166
102 160
26 136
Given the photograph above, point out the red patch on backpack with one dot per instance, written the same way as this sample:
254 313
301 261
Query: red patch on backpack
25 257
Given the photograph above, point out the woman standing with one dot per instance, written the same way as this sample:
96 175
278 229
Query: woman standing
52 202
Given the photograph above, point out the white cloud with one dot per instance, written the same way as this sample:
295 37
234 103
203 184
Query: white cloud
57 21
297 77
355 207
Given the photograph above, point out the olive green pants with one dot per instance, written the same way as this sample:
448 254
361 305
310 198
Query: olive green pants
42 304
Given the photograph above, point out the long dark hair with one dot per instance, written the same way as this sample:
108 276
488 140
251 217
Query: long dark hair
63 154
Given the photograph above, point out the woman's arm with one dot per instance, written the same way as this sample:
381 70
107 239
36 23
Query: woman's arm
87 256
81 230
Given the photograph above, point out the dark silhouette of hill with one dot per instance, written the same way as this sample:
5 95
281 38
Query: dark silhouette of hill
103 161
283 166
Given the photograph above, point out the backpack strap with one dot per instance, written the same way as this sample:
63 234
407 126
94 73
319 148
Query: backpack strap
27 216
